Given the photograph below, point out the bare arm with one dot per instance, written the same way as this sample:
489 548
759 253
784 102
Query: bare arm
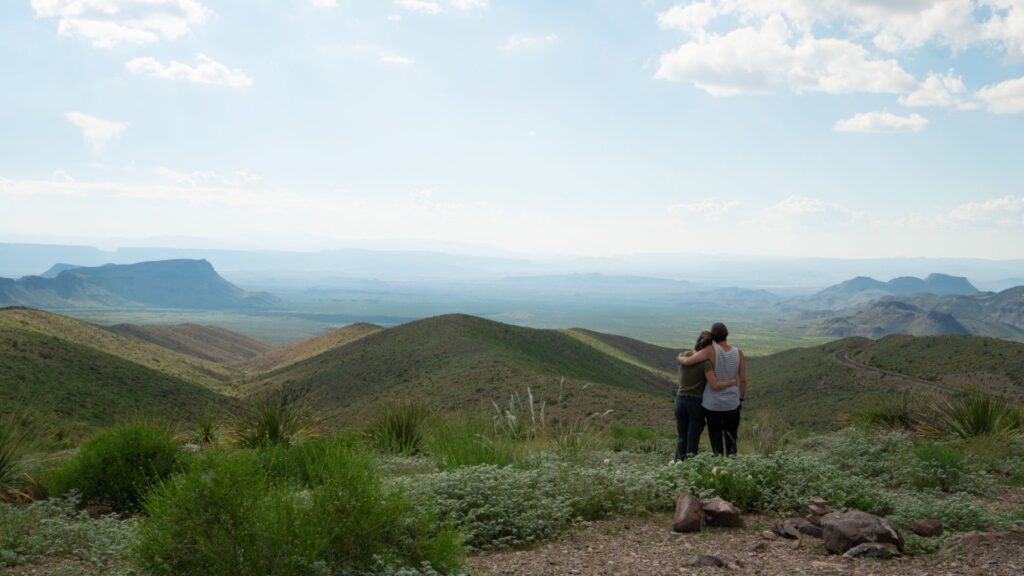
743 377
695 358
717 384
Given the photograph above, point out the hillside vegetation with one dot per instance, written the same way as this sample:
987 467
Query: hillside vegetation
291 354
463 361
205 342
179 366
82 388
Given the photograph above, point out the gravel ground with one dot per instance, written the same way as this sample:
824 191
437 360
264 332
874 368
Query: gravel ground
648 547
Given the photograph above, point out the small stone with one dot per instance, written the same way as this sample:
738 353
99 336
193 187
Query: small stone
877 550
689 515
721 513
818 510
811 530
927 528
759 547
790 528
706 560
842 531
769 535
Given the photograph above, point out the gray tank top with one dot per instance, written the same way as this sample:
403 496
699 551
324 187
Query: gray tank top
727 367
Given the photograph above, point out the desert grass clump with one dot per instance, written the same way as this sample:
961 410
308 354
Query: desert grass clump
20 440
470 440
578 438
229 514
116 467
975 415
401 428
518 420
633 439
205 430
274 420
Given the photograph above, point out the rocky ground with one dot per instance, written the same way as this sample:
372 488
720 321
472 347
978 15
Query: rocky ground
648 547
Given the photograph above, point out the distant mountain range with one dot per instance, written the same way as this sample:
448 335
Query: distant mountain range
190 284
861 290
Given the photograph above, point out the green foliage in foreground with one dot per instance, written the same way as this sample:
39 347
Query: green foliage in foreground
237 513
401 428
274 420
20 438
117 467
469 441
54 533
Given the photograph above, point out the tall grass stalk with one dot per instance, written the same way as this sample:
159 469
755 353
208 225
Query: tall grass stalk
276 420
20 439
520 420
471 441
401 428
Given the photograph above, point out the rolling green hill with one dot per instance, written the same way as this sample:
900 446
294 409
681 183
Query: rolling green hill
283 356
85 388
204 342
459 361
650 356
179 366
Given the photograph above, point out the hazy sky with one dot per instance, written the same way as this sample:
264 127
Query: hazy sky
843 128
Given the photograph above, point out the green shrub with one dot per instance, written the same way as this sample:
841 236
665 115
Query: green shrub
325 511
204 430
116 467
52 532
944 467
882 456
470 441
401 428
276 420
899 411
958 512
495 507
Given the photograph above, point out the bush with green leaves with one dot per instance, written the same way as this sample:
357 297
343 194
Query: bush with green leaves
54 531
945 467
634 439
900 411
958 512
118 466
469 441
324 511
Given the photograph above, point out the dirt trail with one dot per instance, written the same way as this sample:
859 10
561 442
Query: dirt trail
843 357
649 548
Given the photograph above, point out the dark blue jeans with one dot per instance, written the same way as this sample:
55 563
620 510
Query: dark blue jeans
689 425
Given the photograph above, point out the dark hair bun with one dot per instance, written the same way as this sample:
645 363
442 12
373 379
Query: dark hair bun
719 332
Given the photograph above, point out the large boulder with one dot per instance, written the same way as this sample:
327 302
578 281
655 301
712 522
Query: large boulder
721 513
842 531
689 515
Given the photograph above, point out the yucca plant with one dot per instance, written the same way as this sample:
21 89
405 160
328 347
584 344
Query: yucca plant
899 411
973 416
204 430
275 420
401 428
20 438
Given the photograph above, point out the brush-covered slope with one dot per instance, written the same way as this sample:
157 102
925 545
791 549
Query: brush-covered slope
84 388
187 368
862 290
631 350
206 342
164 283
891 317
294 353
811 387
459 361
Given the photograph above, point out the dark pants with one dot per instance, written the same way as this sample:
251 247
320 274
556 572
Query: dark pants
723 425
689 425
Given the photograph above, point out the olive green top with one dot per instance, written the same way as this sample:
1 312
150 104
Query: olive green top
692 379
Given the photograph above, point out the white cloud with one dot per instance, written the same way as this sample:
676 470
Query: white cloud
528 41
875 122
805 212
396 59
939 92
97 132
420 6
324 4
771 58
108 23
711 209
1003 98
1007 211
206 71
469 4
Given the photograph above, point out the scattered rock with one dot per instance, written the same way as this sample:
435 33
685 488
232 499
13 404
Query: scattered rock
705 560
769 535
819 507
811 530
979 541
689 515
878 550
842 531
927 528
790 528
718 512
98 510
759 547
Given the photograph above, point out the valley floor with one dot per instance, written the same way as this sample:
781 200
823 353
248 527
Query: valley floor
647 547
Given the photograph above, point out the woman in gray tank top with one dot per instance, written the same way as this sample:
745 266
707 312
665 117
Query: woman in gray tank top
723 401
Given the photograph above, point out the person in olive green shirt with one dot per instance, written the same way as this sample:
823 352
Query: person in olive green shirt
689 396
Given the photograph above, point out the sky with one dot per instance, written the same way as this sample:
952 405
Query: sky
794 128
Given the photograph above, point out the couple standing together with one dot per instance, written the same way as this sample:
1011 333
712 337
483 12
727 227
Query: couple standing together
712 387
